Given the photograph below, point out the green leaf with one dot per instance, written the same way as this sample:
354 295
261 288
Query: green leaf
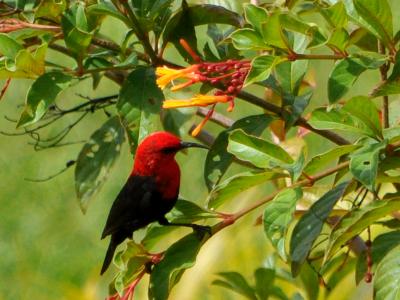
187 212
236 184
260 153
261 67
339 39
358 220
218 159
131 262
237 283
277 217
179 257
381 245
255 16
27 65
76 29
376 16
339 120
41 95
310 225
272 32
386 89
364 164
336 15
369 114
8 46
139 105
106 9
247 39
50 10
387 280
96 159
264 282
342 77
321 161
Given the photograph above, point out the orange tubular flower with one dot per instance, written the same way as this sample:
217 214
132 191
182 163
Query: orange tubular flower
198 100
166 75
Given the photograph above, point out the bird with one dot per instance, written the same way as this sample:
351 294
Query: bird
150 191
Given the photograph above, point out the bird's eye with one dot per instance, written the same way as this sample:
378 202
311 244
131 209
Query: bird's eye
169 150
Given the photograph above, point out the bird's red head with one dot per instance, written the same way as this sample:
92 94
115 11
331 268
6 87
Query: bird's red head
155 156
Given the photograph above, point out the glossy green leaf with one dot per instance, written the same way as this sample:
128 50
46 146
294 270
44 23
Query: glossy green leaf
386 89
381 245
96 158
50 10
26 64
131 262
179 257
339 120
237 283
310 225
339 39
387 280
342 77
278 215
186 212
358 220
8 46
255 16
376 16
336 15
261 153
247 39
41 95
75 26
321 161
139 105
369 114
106 9
261 67
364 164
236 184
218 158
272 32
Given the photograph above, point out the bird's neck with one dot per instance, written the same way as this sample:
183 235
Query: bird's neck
166 173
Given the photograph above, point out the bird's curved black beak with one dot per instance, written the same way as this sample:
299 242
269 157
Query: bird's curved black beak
185 145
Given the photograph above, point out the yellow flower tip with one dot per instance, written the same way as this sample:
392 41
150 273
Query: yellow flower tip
199 100
166 75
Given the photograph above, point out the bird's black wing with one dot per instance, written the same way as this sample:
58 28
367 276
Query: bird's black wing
132 209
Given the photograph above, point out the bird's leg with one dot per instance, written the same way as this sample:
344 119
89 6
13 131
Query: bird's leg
197 228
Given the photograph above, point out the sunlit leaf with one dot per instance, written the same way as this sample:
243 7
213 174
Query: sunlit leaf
96 159
255 15
247 39
259 152
8 46
236 184
218 158
261 67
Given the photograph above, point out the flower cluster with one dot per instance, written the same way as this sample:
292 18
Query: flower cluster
228 76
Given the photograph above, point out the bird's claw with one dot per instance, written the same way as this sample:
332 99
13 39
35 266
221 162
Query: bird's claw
201 230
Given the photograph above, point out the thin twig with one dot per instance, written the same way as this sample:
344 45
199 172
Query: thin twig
383 71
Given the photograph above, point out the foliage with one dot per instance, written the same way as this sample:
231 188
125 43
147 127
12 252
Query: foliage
269 46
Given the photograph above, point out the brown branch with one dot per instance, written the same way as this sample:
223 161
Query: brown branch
383 71
217 118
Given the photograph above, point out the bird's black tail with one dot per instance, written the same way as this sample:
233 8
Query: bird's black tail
109 255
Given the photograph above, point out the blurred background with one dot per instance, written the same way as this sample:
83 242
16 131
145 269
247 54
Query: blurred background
50 250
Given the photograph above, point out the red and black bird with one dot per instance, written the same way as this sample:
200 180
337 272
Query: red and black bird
151 190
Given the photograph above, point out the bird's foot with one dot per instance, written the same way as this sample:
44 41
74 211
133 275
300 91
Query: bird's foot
201 230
